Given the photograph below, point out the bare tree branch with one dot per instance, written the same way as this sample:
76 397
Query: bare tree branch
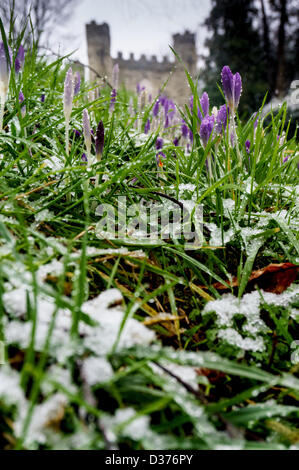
43 14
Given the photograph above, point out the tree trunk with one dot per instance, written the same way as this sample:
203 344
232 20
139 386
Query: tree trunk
280 77
267 48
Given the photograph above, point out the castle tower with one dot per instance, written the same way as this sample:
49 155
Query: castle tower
184 44
98 42
145 71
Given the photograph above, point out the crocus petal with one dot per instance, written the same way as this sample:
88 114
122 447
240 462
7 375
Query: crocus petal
237 89
77 83
159 143
228 83
206 129
86 130
156 108
68 93
221 119
20 58
232 87
100 137
205 104
147 126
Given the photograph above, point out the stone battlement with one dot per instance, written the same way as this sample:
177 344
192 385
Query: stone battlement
151 71
143 62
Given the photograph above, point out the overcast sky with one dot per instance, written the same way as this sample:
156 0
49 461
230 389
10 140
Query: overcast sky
139 26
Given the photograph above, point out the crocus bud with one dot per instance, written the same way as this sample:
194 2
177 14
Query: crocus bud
86 130
20 58
206 129
5 64
232 87
84 159
159 143
205 104
100 137
156 108
113 98
68 94
115 76
147 126
247 146
256 120
167 123
221 119
185 129
42 98
77 133
77 83
23 108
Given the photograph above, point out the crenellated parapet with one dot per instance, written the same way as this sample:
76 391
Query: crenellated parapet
143 62
150 70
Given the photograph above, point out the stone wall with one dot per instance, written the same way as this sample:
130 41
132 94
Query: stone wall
148 72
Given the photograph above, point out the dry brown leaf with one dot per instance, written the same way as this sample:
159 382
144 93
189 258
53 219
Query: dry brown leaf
275 278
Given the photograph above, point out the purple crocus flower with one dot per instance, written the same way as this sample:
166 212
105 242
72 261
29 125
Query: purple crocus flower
68 94
172 109
20 58
205 105
191 103
77 133
113 98
84 158
190 135
176 141
166 105
286 159
162 100
147 126
86 130
21 97
167 123
100 137
221 119
232 87
77 83
159 143
206 129
23 108
247 146
42 98
184 129
156 108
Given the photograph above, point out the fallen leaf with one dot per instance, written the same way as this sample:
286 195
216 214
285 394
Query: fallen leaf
275 278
